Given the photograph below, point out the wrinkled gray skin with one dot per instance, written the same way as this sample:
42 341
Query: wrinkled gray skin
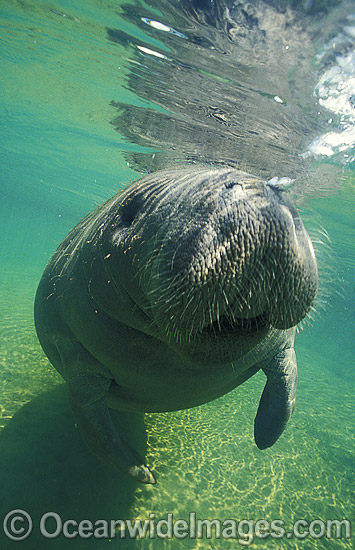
171 294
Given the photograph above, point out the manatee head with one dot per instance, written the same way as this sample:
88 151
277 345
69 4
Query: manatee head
215 260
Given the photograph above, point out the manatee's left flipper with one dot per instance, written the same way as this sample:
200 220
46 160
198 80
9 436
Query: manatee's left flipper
87 396
87 388
278 398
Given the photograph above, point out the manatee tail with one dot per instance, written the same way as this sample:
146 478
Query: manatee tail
278 398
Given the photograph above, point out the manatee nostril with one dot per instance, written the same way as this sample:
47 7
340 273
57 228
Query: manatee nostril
231 184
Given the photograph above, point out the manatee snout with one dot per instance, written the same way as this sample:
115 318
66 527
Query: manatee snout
230 252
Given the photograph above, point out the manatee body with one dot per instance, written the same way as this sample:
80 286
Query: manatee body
172 293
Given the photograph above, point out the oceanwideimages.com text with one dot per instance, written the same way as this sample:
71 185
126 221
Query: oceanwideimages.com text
18 525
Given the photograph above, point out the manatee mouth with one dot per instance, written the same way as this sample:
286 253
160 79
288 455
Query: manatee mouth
225 326
224 340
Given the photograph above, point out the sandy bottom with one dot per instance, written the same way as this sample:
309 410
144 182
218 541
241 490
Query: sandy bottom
205 458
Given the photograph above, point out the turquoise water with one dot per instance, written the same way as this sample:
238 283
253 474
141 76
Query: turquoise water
84 112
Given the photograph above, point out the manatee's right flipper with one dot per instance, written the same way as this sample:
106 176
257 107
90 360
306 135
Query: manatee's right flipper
87 392
278 398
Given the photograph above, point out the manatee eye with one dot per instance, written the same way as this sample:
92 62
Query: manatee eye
129 210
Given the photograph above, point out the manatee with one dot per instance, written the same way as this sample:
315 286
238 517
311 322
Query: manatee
172 293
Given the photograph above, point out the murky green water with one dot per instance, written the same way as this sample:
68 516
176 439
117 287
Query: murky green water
83 112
